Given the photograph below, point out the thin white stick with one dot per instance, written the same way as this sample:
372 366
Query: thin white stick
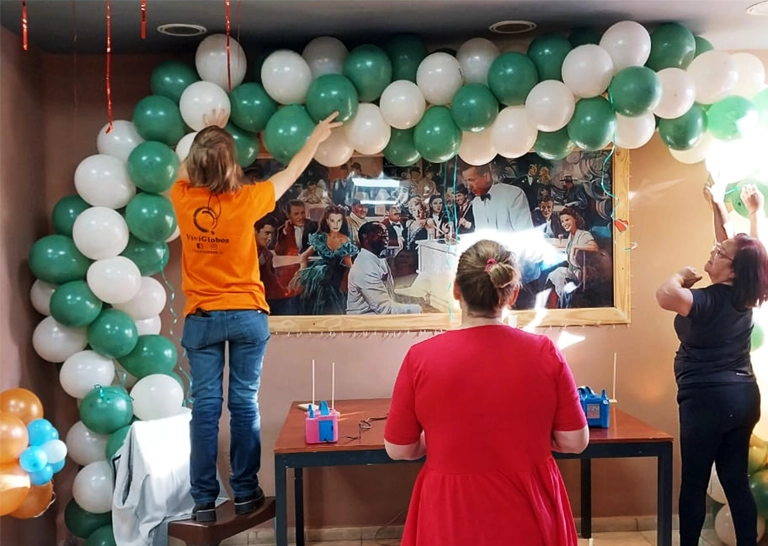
333 385
614 376
313 382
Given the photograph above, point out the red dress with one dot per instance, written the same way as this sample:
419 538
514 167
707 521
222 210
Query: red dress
487 399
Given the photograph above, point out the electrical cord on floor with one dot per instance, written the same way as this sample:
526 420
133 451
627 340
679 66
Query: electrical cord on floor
365 424
389 542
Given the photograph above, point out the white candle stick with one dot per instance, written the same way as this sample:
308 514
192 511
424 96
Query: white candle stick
333 385
313 382
614 376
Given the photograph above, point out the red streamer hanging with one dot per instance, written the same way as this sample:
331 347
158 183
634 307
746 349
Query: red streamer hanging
24 25
229 68
109 56
143 19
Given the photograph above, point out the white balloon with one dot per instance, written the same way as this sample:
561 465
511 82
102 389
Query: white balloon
55 342
82 371
715 75
512 134
367 132
475 57
40 295
100 232
678 93
147 303
156 396
286 77
183 146
476 148
735 160
634 132
199 100
751 71
587 70
725 530
56 450
550 105
715 489
174 235
151 325
85 446
120 141
402 104
628 43
114 280
439 77
211 61
697 154
336 150
103 181
325 55
92 488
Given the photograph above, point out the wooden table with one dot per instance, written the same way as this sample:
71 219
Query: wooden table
626 437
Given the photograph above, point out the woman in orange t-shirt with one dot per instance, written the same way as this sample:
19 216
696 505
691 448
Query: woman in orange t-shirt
216 210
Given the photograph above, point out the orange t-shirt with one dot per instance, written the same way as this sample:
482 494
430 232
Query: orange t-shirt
219 260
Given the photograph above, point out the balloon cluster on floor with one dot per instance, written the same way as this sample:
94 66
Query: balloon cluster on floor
30 454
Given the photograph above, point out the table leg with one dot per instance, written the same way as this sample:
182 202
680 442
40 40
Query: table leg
664 497
298 495
281 500
586 498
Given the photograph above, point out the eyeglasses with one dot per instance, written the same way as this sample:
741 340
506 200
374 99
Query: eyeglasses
717 248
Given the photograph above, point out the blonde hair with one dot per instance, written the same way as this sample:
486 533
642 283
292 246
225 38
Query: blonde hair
487 276
212 162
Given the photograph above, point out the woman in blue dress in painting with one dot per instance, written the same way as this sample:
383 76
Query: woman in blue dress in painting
325 264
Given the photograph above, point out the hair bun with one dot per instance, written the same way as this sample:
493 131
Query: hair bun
501 274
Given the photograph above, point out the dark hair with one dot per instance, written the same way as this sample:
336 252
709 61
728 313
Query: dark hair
750 272
334 209
480 169
462 189
211 162
487 276
414 169
573 213
545 197
367 229
432 198
268 220
296 203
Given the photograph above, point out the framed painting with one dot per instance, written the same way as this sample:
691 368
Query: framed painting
370 246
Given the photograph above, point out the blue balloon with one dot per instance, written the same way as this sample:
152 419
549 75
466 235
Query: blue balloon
42 477
33 459
40 431
56 467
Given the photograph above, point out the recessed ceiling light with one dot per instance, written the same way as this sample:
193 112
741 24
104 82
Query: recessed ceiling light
183 30
512 27
761 8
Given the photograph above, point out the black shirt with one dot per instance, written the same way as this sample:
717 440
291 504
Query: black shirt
715 340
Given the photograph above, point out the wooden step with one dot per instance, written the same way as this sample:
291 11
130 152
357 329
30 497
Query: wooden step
227 524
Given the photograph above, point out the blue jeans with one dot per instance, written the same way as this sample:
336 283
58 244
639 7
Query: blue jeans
204 338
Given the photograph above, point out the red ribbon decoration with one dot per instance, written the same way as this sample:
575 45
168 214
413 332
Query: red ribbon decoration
109 55
24 25
143 19
229 68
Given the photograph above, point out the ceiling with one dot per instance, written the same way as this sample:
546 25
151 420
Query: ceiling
265 24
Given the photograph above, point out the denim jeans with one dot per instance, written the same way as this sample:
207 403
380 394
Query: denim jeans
204 338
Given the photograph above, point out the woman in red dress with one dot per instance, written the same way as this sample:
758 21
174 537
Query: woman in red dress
491 402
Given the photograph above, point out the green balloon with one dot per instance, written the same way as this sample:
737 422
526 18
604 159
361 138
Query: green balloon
158 118
369 68
548 51
761 103
511 77
732 118
65 212
672 46
702 45
81 523
153 166
406 51
152 354
74 305
758 483
103 536
115 441
584 36
113 334
287 131
170 78
593 124
635 90
757 336
332 93
150 258
401 151
474 108
251 107
246 145
106 409
554 146
684 133
56 260
436 136
150 217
